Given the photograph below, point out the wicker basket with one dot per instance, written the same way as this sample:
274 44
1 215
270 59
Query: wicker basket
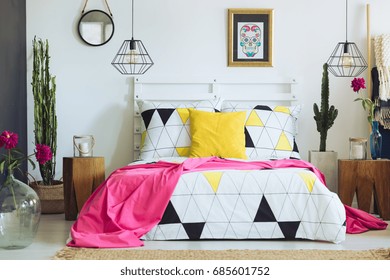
52 197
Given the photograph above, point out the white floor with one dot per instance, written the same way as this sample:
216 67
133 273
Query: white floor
53 232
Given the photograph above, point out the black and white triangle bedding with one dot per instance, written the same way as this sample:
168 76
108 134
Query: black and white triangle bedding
286 203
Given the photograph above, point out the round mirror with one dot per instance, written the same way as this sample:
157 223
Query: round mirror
96 28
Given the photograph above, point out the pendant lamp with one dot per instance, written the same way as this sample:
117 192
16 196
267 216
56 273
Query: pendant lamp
346 60
132 57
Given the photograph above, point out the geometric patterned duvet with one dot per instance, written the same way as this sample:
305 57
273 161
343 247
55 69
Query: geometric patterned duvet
286 203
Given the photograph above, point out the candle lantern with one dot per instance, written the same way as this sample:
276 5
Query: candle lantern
357 148
83 145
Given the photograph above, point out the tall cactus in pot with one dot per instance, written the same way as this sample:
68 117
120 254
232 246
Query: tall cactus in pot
325 117
45 119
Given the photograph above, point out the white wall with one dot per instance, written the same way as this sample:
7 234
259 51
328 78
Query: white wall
189 38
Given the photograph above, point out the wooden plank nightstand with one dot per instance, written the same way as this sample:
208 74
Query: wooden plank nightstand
368 178
81 175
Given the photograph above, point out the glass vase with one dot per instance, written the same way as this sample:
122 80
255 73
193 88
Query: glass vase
375 141
20 212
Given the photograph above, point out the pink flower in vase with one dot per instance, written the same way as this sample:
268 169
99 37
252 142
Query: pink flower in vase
14 157
358 84
368 105
8 139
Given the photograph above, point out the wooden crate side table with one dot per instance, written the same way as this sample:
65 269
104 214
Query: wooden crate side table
81 175
366 178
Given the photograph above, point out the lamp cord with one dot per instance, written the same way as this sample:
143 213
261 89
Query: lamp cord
132 19
346 20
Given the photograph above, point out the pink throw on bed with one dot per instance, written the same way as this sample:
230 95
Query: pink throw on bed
132 200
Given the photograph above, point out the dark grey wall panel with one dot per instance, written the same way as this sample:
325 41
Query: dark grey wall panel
13 90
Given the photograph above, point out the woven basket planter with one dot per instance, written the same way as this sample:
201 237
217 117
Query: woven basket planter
52 197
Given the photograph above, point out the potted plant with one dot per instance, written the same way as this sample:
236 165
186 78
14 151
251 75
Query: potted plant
49 190
370 106
323 159
20 208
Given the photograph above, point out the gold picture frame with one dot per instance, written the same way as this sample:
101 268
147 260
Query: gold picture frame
250 38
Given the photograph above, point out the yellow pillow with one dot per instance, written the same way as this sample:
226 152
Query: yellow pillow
217 134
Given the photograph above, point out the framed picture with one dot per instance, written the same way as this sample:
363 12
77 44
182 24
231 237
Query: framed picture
250 37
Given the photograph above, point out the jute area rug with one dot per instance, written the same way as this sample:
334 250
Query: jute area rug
69 253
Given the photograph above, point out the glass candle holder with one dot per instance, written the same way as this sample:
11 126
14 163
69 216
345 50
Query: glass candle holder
83 145
357 148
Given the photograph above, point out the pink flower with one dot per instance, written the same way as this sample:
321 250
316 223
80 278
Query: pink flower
8 139
358 84
43 153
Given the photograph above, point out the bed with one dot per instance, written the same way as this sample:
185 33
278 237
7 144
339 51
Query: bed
213 160
280 203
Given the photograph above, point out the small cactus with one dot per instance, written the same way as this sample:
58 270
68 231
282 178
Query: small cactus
324 118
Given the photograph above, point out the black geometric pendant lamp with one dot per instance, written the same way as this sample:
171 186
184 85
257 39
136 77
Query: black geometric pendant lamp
346 60
132 57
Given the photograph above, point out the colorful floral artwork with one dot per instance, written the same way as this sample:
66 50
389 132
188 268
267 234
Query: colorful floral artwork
250 39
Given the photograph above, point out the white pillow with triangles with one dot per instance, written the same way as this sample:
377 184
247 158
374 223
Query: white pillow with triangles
269 130
165 127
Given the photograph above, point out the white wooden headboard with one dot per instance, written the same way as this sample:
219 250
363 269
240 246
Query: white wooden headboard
278 91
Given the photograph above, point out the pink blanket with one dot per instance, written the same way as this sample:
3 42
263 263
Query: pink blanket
132 200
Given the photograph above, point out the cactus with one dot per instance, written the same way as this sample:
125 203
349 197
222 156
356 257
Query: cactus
45 119
324 118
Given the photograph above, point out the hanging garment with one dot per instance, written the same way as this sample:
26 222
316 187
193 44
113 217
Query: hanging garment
382 58
383 112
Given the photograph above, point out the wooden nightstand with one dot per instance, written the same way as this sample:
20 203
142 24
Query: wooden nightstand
368 178
81 175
